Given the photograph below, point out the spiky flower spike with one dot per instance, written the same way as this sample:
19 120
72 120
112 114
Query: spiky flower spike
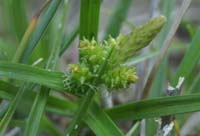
93 55
139 38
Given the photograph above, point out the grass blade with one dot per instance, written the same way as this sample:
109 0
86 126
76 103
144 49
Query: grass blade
89 18
133 130
34 119
187 66
100 123
195 85
12 107
155 107
89 21
69 39
117 18
32 74
54 104
37 34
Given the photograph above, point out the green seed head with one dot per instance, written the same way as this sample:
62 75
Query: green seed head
93 55
139 38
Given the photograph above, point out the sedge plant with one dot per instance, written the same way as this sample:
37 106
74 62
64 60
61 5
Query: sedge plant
31 93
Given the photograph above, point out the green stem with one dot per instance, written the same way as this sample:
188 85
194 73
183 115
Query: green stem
71 130
89 21
33 122
86 102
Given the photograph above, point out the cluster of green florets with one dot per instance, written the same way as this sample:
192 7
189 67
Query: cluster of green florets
120 77
110 54
92 56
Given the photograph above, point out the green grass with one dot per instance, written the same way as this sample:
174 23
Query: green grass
33 94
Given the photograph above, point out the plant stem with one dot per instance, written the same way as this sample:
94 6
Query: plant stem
80 114
87 100
89 21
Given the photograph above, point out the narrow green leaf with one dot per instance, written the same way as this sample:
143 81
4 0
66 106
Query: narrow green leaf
55 104
144 109
69 39
37 110
89 18
195 85
33 121
100 123
133 131
32 74
49 127
155 107
190 59
117 18
12 107
40 29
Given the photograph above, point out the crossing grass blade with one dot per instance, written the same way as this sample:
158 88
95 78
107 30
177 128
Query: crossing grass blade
100 123
32 74
40 29
155 107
